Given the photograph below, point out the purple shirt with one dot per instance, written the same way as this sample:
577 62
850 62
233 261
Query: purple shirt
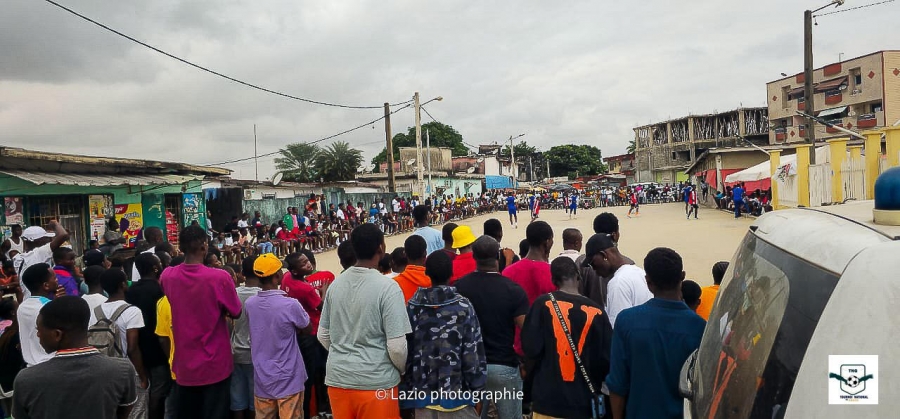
201 297
278 369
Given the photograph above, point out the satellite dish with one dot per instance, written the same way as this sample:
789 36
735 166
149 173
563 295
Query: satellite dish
360 169
480 160
370 167
410 162
470 170
277 179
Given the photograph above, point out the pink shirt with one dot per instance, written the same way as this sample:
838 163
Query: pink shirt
534 277
201 297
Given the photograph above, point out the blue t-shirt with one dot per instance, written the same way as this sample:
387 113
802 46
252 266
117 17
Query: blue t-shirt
434 239
373 212
573 201
531 202
649 346
686 192
738 193
511 203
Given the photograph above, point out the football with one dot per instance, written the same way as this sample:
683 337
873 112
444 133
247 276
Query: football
852 381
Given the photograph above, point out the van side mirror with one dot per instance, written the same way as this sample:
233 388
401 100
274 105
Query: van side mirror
686 378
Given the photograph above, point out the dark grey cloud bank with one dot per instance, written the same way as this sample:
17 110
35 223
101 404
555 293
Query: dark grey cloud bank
563 72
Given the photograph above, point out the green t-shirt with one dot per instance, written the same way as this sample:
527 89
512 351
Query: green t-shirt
362 310
288 222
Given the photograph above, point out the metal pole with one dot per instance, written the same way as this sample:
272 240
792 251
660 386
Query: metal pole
419 165
392 186
255 153
808 93
428 147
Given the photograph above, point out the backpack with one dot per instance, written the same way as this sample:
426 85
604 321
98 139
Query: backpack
104 335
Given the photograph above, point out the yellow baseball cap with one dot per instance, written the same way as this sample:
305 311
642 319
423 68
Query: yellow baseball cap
462 237
266 265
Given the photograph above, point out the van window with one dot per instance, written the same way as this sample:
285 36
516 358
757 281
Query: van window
767 309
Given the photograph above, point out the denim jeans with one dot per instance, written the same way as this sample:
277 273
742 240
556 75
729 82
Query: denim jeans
265 247
504 379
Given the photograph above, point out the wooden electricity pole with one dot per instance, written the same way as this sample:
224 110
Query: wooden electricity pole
390 147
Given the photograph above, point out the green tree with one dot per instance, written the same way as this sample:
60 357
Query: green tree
571 160
338 162
631 147
522 149
298 162
441 136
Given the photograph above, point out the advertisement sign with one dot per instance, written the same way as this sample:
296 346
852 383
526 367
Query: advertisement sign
131 220
14 211
194 210
100 209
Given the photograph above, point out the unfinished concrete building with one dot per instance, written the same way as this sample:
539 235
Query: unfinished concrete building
665 149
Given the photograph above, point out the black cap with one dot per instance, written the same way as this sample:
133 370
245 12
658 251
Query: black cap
93 257
596 244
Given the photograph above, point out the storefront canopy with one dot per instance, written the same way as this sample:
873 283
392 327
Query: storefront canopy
40 178
759 176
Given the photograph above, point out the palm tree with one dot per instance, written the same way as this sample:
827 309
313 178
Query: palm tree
631 147
298 162
338 162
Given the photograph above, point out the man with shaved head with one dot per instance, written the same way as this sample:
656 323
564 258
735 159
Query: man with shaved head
500 305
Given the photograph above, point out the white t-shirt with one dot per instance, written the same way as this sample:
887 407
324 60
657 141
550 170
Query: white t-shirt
627 288
19 247
135 276
340 214
28 311
94 300
381 208
396 204
23 261
131 318
243 224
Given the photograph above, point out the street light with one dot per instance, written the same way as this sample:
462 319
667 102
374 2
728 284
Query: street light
808 76
419 166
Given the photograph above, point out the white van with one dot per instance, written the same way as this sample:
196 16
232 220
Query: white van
805 289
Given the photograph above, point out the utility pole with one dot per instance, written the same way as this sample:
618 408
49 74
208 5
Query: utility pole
809 103
531 168
255 153
428 147
392 187
512 162
419 165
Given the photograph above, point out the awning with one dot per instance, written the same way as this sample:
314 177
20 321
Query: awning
832 112
830 84
40 178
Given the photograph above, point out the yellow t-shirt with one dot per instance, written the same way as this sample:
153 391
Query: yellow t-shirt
164 327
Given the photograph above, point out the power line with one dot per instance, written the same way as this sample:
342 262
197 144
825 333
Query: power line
855 8
435 120
224 76
310 142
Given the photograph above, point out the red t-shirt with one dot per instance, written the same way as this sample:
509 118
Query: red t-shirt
463 265
284 235
534 277
307 295
319 279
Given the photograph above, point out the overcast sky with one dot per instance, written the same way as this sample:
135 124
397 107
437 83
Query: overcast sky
583 72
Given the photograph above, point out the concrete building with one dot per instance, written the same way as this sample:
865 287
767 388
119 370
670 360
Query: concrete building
445 180
84 192
665 149
622 164
862 93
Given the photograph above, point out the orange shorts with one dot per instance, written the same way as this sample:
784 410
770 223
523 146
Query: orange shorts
290 407
364 404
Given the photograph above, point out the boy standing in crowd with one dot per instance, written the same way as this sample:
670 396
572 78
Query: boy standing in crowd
242 391
144 295
446 353
78 381
275 319
364 326
41 283
708 294
201 298
650 344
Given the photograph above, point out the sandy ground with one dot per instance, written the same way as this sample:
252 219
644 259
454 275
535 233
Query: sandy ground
701 243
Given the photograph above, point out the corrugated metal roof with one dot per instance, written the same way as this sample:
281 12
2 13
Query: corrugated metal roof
39 178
